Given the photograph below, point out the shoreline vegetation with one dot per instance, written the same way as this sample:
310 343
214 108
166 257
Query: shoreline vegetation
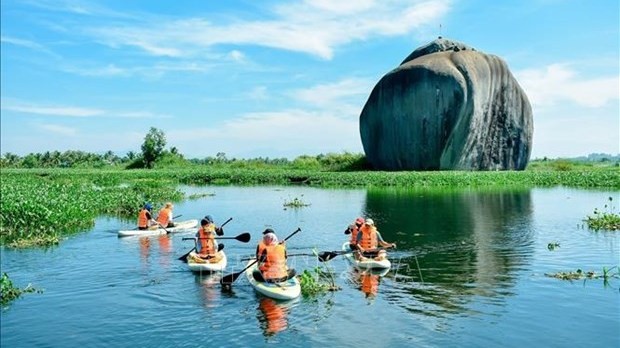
47 196
42 205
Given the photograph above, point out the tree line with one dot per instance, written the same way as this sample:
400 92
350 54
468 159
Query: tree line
155 155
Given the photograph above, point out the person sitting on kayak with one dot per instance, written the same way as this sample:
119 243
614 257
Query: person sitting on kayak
272 261
353 230
369 238
261 245
218 230
206 246
145 219
164 218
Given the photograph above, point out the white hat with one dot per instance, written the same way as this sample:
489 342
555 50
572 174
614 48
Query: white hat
270 238
369 222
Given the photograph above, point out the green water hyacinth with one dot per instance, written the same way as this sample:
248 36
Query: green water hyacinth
39 210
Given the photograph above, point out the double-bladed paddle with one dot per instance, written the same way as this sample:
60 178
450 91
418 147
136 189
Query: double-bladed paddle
184 257
230 278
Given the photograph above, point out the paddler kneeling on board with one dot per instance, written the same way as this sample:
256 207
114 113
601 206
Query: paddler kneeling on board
206 246
369 238
272 266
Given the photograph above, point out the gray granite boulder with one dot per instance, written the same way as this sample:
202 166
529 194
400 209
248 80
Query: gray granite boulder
447 106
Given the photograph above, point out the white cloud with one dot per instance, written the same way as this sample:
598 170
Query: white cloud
311 27
559 83
27 44
68 111
72 111
337 94
54 128
287 133
258 93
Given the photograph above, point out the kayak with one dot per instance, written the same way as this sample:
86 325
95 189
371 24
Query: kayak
286 290
366 263
181 226
198 264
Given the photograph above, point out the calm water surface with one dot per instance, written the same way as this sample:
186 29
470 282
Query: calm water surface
469 271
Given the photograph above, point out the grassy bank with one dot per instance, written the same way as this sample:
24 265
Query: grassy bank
39 206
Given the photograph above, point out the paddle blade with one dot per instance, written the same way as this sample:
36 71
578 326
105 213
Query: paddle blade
244 237
184 257
230 278
327 255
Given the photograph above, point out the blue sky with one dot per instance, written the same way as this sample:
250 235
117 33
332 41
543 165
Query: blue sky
284 78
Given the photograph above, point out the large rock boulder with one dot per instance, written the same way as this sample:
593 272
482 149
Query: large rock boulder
447 106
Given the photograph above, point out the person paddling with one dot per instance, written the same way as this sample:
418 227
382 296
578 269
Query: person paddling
353 230
272 261
164 218
369 238
145 219
218 230
206 246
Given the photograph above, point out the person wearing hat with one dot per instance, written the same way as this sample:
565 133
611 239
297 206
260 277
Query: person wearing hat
368 239
164 218
261 245
145 219
272 265
353 230
218 230
206 246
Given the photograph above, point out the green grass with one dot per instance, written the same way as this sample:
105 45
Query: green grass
41 206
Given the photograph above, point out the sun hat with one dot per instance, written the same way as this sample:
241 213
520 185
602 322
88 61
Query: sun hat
269 230
369 222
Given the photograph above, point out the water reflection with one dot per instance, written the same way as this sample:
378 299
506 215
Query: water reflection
453 246
209 284
272 315
367 281
164 246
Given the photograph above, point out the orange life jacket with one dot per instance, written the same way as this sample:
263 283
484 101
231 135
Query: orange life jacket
259 249
369 237
354 231
275 264
164 216
206 241
143 220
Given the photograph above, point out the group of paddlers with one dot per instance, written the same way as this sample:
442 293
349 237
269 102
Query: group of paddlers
270 252
164 217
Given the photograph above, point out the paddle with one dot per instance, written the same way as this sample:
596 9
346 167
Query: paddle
230 278
243 237
184 257
328 255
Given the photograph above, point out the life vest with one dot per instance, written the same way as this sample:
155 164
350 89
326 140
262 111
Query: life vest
354 231
206 243
369 237
259 249
143 219
274 266
164 216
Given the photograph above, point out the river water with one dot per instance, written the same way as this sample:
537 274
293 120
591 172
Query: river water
469 271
